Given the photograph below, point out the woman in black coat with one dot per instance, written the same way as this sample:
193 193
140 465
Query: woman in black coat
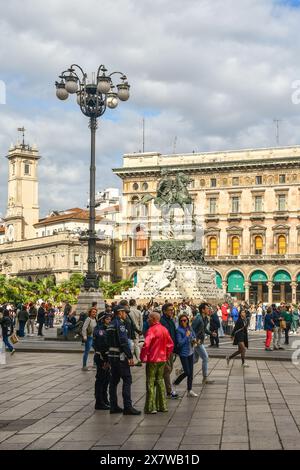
240 337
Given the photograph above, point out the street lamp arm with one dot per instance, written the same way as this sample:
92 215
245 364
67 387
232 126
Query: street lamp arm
101 68
123 76
81 70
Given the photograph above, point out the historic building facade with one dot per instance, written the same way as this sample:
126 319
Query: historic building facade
56 245
248 203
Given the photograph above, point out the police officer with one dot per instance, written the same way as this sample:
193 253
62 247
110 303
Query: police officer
101 360
120 359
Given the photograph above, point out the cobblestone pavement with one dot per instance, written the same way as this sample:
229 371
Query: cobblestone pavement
46 402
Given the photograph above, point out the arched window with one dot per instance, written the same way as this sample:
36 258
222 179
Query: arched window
235 246
258 245
213 246
281 245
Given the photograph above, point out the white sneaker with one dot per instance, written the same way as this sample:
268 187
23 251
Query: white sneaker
245 365
192 394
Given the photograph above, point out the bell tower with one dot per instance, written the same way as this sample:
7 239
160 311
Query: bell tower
22 205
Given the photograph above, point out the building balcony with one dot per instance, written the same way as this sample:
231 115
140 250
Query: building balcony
257 216
281 215
212 218
233 217
253 259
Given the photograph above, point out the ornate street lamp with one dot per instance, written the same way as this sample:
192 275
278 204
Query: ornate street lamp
93 98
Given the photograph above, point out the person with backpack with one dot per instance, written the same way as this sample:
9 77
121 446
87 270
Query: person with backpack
7 327
87 335
100 346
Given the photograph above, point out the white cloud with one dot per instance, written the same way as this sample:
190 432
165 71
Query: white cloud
214 74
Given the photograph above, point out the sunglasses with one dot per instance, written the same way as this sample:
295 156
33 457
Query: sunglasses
183 321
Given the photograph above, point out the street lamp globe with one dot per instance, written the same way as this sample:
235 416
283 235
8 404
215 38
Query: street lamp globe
103 85
71 84
112 100
123 91
61 91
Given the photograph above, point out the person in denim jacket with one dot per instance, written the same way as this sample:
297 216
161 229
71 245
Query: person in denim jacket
186 340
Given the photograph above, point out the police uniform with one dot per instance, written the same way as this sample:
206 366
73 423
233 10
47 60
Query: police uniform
118 354
103 369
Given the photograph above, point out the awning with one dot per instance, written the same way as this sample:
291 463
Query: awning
219 280
282 276
259 276
236 282
298 278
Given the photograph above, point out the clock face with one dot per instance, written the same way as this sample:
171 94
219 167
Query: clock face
10 233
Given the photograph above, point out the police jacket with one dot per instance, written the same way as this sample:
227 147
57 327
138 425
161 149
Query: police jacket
100 343
117 340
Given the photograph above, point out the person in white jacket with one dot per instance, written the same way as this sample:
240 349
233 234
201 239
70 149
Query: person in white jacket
137 318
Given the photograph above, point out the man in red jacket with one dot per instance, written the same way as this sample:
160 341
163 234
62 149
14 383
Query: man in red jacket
225 313
156 351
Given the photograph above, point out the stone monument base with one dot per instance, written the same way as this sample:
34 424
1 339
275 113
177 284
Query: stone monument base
87 297
174 281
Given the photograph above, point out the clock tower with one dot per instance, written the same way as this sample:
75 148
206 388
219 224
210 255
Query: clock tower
22 206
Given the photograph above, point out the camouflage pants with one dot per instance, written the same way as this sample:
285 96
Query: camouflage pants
155 387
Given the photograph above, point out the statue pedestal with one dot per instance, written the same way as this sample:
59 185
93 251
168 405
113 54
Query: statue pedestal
87 297
174 281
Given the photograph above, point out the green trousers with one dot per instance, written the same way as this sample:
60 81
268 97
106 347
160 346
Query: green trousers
155 387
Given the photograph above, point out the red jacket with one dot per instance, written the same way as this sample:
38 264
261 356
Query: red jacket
158 344
225 314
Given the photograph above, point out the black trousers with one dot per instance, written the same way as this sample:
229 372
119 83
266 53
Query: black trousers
214 339
120 370
102 382
40 330
286 332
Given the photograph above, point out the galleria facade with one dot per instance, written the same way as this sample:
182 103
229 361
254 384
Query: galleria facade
248 202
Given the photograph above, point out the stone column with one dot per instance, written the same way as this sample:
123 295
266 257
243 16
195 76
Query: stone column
247 291
224 286
270 292
294 288
259 292
282 292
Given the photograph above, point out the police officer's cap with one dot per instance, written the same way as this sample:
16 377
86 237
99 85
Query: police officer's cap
120 308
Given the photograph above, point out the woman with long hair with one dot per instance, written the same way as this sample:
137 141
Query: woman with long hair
240 338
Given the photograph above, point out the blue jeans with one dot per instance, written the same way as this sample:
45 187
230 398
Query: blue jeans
87 348
200 351
7 343
188 366
259 322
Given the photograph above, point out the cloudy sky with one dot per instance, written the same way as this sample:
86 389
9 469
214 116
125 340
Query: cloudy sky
212 73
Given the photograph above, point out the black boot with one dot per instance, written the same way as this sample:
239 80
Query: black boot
117 409
101 406
131 411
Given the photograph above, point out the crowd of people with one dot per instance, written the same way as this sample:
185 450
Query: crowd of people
126 334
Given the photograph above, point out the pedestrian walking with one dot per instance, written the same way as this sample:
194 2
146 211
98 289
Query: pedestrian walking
287 318
259 316
41 318
23 318
167 320
219 313
7 328
240 338
100 346
32 314
87 336
137 318
276 316
268 327
120 359
200 328
157 348
214 326
186 341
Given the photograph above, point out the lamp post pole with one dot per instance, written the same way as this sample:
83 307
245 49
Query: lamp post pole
93 99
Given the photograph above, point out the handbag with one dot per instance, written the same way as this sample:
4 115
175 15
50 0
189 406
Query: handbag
283 324
13 338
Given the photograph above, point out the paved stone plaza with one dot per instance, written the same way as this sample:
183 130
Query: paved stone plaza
46 402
